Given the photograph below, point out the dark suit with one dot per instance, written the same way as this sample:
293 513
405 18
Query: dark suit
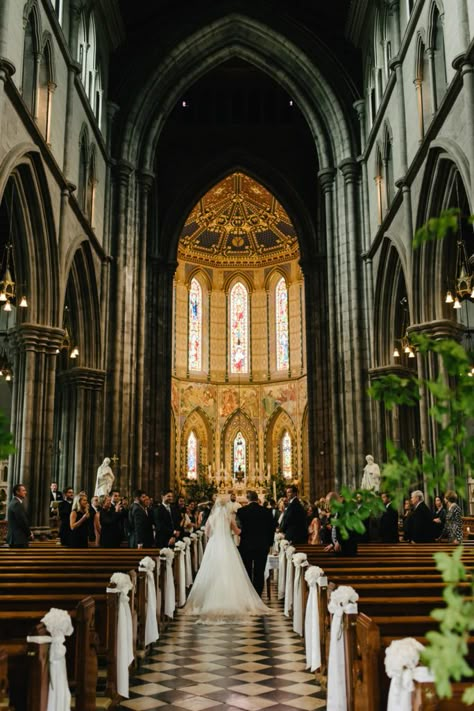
388 526
166 523
257 529
64 511
19 532
143 526
294 523
59 496
420 525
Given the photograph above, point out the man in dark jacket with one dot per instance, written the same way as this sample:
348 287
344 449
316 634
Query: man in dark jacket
420 523
18 534
167 521
294 523
142 522
388 525
256 537
64 512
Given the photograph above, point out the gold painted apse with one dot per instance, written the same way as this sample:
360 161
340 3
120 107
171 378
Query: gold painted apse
238 223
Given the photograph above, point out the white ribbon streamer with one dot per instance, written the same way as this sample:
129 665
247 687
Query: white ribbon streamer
180 546
147 565
200 535
343 601
300 561
289 580
401 659
59 625
170 595
314 576
282 568
187 559
125 655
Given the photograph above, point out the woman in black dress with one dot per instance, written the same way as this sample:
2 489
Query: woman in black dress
78 523
439 517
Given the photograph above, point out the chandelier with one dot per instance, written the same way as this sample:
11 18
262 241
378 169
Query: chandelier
405 346
463 282
8 290
67 343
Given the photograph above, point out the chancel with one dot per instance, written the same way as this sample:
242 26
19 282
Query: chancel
218 238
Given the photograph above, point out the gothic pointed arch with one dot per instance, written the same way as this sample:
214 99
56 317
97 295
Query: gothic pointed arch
237 423
278 426
198 423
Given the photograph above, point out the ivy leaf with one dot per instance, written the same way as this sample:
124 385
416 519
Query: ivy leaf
437 227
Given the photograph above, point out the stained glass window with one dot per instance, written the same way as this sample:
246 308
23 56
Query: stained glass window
286 456
239 329
240 454
281 317
195 326
192 456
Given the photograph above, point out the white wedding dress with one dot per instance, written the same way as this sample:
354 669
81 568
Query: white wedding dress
222 590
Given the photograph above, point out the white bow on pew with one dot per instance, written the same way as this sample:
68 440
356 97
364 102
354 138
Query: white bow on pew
187 559
314 576
147 565
59 625
289 580
170 595
180 546
343 601
123 585
282 568
200 535
401 659
300 561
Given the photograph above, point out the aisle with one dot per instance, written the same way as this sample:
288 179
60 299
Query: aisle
250 666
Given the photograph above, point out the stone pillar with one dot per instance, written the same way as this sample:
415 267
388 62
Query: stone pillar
156 456
81 426
326 179
397 65
7 70
467 72
434 93
352 297
394 10
33 413
145 181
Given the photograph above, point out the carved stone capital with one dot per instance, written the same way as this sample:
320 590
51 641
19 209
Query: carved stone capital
350 169
123 171
85 378
38 338
360 108
392 369
145 179
442 328
326 178
7 69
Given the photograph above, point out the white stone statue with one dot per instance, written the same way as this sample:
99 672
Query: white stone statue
371 475
105 479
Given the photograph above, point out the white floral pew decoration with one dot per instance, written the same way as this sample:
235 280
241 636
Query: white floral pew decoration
300 561
180 549
343 601
125 657
401 664
167 555
282 568
147 565
314 576
290 551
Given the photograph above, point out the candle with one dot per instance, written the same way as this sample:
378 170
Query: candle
274 489
268 470
209 469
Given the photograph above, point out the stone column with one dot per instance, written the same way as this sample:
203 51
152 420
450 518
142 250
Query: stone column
145 182
431 66
394 10
467 71
397 65
351 277
7 70
157 404
33 414
326 179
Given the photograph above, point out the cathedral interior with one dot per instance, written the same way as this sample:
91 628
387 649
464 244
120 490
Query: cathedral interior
206 223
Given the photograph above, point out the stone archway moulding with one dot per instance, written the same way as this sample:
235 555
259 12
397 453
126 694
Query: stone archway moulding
238 36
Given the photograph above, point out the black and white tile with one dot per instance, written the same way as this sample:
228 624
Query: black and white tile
257 664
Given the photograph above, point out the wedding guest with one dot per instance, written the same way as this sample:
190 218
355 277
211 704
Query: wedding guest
439 517
18 533
110 523
407 512
167 521
143 522
314 527
293 523
64 512
453 525
388 524
78 522
420 523
282 503
340 545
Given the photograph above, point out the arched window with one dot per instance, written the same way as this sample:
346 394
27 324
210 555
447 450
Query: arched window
422 88
58 9
379 184
195 326
388 170
91 183
83 166
82 46
239 329
192 456
240 454
281 318
439 58
45 92
286 456
98 96
91 61
30 50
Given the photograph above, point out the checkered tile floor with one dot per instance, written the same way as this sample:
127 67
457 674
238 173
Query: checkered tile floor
255 665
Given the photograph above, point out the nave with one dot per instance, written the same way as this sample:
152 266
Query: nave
251 666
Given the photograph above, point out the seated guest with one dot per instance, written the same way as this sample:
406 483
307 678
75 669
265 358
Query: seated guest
388 524
453 525
420 523
338 544
439 517
78 522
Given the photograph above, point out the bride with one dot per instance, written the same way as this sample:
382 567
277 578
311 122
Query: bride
222 589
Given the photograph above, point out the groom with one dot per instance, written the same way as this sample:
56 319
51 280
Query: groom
256 537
